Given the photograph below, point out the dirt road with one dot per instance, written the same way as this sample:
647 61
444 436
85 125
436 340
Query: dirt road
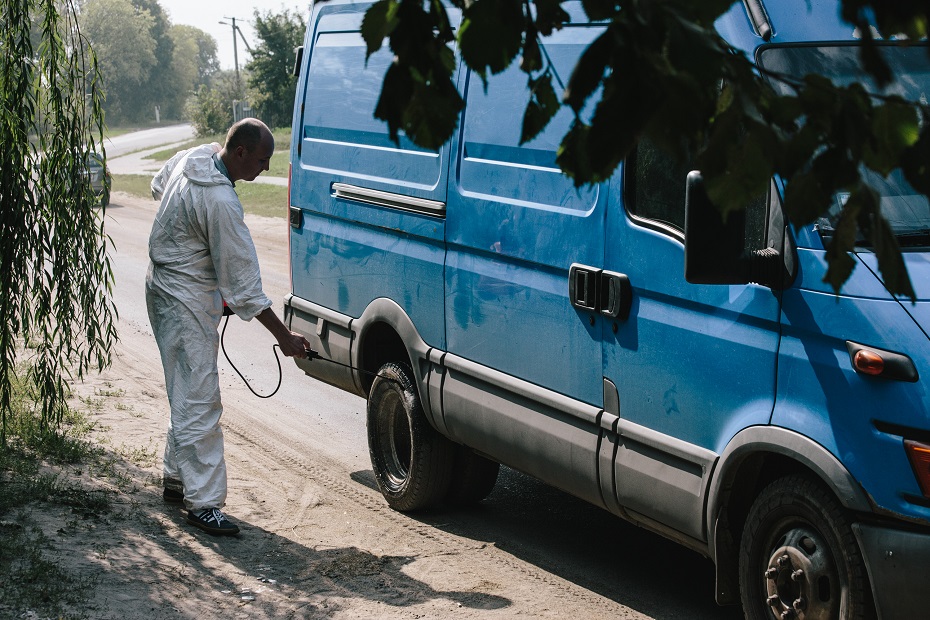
317 540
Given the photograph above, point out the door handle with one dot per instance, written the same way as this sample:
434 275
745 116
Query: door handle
596 290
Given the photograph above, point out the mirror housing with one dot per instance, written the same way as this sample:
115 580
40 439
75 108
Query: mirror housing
715 250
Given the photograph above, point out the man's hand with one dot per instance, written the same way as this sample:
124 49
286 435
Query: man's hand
294 345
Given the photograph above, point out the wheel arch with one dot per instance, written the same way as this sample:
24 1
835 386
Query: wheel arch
387 334
754 458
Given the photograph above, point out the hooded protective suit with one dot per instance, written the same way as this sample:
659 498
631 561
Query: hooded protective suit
201 254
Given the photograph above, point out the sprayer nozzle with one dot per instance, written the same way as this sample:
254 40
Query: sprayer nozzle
312 355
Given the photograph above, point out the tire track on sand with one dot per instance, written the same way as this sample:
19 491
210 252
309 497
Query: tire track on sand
434 541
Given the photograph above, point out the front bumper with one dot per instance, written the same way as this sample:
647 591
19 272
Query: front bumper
897 562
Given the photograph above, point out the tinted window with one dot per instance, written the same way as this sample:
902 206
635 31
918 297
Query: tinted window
342 90
656 182
656 185
495 163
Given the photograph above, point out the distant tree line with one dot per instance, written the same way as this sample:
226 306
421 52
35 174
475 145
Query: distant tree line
148 64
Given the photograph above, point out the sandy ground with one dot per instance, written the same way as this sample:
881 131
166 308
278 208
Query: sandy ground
318 540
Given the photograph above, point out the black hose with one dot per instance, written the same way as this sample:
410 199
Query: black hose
311 355
244 380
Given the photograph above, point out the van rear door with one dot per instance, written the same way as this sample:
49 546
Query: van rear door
370 219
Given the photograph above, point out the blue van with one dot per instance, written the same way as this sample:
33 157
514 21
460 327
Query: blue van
700 381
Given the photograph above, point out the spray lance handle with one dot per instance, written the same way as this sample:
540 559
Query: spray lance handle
312 355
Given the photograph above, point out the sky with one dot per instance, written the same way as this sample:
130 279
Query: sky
206 15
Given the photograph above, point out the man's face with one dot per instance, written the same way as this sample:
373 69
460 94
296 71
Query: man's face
256 161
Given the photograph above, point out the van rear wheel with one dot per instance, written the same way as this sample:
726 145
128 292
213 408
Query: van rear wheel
412 462
799 557
473 477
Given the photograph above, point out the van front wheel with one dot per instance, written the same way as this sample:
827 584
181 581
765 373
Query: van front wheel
412 462
799 557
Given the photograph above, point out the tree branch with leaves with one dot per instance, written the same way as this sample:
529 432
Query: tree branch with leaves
57 311
659 70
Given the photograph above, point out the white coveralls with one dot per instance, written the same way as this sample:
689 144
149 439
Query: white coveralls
201 254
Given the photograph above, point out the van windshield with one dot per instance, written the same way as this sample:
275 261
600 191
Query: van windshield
907 211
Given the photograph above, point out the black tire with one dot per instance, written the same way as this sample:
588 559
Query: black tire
796 524
473 477
411 461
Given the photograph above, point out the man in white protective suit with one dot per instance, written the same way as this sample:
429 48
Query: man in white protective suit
202 254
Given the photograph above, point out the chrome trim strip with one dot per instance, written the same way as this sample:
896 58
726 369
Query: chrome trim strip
575 408
308 307
423 206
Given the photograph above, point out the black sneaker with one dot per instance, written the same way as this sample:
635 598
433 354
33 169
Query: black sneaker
172 497
213 521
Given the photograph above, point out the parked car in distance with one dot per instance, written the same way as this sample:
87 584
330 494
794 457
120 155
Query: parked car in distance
99 177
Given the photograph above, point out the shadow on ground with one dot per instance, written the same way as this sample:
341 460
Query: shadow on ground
585 545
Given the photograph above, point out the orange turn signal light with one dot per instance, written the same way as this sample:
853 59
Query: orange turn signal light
869 362
919 454
880 363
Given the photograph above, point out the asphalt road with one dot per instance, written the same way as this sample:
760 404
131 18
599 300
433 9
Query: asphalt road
147 138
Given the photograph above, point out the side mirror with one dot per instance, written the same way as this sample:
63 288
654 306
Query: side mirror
715 250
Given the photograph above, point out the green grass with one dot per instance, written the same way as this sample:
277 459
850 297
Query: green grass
278 165
257 198
263 199
138 185
282 140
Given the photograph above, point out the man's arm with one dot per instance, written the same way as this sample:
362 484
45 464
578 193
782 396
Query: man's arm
292 344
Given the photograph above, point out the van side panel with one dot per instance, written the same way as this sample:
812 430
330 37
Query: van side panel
693 364
363 233
515 225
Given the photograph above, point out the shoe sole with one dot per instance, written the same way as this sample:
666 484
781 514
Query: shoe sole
216 531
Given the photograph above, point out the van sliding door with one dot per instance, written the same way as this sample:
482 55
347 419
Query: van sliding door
524 380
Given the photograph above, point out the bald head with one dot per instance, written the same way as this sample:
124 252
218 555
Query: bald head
248 133
248 150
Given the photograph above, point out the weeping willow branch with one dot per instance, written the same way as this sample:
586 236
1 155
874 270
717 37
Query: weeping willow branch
57 305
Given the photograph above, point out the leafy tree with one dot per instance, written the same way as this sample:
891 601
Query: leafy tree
210 108
208 64
816 135
208 112
161 89
58 303
183 63
122 38
271 80
193 63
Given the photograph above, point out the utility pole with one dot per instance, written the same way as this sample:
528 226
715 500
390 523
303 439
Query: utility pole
236 29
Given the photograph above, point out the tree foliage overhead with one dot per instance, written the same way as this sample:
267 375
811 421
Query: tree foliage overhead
656 72
57 309
271 76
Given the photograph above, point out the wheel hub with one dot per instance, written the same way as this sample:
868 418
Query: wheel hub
800 582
